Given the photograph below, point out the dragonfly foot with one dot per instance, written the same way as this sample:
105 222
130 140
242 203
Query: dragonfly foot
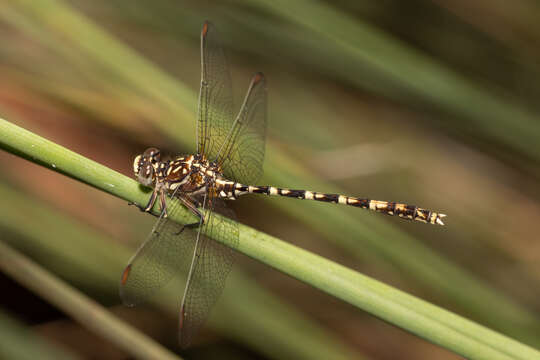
188 226
131 203
142 209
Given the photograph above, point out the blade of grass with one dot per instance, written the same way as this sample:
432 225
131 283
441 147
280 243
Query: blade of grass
89 313
419 317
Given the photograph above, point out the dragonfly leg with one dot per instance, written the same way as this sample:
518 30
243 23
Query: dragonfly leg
162 204
190 204
188 226
149 205
151 201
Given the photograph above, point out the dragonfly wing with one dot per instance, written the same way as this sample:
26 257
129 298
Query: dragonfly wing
215 115
212 262
242 155
166 252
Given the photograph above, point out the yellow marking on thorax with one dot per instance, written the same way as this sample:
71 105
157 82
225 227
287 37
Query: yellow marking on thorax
308 195
273 190
342 199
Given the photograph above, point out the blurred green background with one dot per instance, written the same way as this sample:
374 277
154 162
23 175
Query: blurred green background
432 103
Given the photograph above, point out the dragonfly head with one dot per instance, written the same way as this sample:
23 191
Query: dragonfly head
145 165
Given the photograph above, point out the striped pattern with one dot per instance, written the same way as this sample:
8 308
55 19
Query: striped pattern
231 190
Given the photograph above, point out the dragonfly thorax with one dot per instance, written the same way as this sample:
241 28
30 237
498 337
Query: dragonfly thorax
191 172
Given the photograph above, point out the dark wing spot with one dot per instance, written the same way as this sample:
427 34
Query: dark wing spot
204 29
257 78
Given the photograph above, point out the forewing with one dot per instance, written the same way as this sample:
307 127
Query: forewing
165 252
212 263
215 116
243 154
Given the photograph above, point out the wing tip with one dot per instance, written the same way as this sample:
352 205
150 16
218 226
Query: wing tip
125 275
127 300
258 77
205 27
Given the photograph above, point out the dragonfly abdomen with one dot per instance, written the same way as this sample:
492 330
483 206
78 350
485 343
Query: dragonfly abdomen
231 190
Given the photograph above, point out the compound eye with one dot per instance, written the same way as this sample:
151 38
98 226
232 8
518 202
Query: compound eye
146 173
153 155
143 167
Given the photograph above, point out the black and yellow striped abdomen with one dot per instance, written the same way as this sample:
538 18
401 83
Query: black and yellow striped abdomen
231 190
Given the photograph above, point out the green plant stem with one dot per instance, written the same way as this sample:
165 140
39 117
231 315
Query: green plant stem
419 317
80 307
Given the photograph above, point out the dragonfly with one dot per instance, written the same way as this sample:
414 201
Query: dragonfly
229 158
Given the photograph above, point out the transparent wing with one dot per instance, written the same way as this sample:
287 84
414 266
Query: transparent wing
166 252
242 155
215 116
212 263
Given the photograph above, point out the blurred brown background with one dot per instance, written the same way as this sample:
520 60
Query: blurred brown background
432 103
